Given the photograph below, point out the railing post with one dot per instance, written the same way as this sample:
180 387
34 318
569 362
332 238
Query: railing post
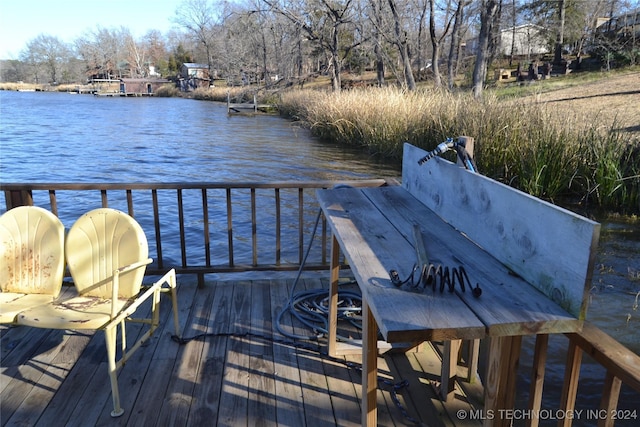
570 385
537 378
609 402
15 198
201 282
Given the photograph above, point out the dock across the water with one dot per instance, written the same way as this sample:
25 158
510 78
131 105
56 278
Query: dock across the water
127 94
247 107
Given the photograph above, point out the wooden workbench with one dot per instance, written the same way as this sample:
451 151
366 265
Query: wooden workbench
381 229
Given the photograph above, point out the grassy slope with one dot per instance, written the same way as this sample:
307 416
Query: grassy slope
615 95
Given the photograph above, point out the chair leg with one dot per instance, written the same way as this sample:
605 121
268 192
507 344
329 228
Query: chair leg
174 301
171 280
110 338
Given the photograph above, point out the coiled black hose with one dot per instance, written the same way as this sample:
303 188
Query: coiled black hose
311 308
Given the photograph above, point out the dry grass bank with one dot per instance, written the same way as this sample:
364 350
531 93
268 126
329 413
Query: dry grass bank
615 98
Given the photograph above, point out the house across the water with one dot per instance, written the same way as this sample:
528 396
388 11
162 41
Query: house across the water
193 76
141 86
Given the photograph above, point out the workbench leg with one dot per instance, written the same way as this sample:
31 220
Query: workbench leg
449 368
369 367
472 363
333 296
500 387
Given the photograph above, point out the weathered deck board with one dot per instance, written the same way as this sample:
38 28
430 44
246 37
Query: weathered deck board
60 377
184 375
207 389
261 385
315 389
234 398
287 377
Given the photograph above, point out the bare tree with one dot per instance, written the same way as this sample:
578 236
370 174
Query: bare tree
402 43
104 52
156 49
436 40
565 19
47 54
136 57
557 57
262 46
13 70
271 45
421 8
616 40
323 21
593 11
456 37
514 22
198 18
487 21
377 7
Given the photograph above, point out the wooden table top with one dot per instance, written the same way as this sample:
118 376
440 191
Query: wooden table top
375 229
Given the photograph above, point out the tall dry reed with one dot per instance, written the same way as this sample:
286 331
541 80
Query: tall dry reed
550 154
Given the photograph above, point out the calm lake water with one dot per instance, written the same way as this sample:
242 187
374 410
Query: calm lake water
58 137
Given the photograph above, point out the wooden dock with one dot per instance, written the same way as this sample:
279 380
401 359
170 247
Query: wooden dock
248 107
245 374
121 94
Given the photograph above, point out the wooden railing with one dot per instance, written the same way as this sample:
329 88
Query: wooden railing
621 366
189 216
260 223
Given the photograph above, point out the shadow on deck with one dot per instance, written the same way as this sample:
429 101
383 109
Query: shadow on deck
242 372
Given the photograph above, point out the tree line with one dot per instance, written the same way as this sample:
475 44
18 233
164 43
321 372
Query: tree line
270 41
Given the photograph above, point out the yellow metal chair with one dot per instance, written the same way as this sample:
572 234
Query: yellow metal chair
107 254
31 260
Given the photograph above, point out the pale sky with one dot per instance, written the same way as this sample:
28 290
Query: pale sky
23 20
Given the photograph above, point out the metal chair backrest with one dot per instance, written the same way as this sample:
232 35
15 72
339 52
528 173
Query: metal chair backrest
100 242
31 251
